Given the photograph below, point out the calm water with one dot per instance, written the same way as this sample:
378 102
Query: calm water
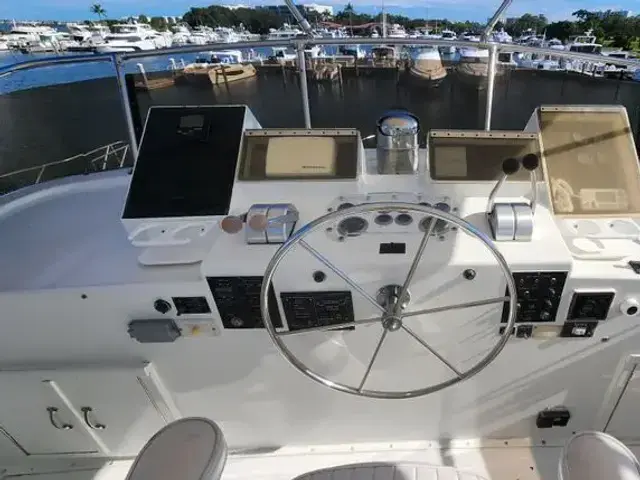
49 123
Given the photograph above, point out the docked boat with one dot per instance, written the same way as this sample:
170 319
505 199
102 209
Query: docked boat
448 35
426 65
217 67
385 56
610 70
472 67
128 38
396 31
4 44
285 32
21 34
237 301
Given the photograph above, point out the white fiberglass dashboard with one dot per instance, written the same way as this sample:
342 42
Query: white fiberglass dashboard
186 296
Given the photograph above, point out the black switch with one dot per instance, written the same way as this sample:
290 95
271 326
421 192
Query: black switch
635 265
553 417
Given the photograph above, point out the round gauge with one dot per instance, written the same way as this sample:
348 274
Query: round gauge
384 219
445 207
404 219
352 226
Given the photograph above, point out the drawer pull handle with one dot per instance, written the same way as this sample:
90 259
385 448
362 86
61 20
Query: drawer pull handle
52 418
87 420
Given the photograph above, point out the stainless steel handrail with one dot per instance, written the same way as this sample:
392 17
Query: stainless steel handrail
494 19
98 156
118 59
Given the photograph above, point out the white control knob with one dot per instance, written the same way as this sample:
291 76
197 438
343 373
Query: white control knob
630 307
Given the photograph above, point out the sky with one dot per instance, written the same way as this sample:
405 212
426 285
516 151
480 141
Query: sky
475 10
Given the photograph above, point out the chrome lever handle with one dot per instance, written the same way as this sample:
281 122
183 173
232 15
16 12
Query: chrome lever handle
87 420
52 418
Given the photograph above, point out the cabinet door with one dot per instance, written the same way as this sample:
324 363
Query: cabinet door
37 418
115 404
624 422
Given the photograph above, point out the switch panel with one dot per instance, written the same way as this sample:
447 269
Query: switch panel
539 295
191 305
590 305
238 301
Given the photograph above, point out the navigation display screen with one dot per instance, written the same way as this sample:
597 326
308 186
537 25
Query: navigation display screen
457 155
281 155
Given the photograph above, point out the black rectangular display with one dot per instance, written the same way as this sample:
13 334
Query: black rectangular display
314 309
186 163
191 305
590 305
238 301
539 295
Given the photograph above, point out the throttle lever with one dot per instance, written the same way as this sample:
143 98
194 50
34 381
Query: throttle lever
531 162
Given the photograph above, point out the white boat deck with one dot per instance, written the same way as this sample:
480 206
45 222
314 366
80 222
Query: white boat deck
68 233
390 463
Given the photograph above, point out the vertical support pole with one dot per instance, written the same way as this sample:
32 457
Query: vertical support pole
126 107
491 78
304 91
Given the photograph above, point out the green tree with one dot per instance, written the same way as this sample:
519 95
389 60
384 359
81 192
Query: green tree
158 23
143 19
97 9
562 30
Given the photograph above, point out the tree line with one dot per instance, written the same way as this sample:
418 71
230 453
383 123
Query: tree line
609 27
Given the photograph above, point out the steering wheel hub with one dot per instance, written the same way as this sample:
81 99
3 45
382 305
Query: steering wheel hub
392 323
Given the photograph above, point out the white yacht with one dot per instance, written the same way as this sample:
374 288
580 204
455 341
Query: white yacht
501 36
584 43
536 61
20 34
98 32
227 35
181 34
610 70
448 35
396 31
4 44
284 54
128 37
234 301
285 32
80 32
202 35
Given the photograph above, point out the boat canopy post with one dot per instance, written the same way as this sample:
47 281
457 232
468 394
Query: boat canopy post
494 19
304 91
126 106
304 24
491 78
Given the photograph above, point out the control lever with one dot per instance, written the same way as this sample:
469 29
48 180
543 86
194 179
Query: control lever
531 162
509 167
261 222
513 221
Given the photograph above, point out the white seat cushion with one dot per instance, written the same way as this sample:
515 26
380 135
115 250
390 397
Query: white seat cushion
389 471
187 449
597 456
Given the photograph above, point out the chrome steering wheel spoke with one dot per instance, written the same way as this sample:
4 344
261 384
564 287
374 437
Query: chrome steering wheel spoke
393 311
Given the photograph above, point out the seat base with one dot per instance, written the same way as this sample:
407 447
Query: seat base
597 456
390 471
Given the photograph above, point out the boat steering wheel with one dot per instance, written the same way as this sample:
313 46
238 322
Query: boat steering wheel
392 315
